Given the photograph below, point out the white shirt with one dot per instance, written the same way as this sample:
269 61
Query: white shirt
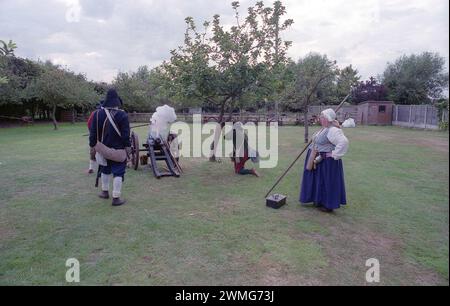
336 136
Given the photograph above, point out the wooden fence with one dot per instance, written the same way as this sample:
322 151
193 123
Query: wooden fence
283 118
416 116
347 111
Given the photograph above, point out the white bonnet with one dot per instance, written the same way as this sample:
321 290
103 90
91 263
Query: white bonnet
329 114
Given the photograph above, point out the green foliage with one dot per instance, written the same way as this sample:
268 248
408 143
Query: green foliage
59 87
312 81
220 66
347 79
442 107
3 80
18 74
7 49
138 89
416 79
101 88
315 79
29 86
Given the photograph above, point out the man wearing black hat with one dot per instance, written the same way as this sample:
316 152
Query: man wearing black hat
113 132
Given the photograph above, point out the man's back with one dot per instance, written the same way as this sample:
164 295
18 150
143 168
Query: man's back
104 130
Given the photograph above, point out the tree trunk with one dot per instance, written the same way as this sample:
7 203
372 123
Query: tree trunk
55 123
230 116
306 126
73 114
230 113
32 111
212 157
222 110
277 113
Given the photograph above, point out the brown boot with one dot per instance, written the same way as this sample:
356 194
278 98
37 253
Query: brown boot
118 202
104 195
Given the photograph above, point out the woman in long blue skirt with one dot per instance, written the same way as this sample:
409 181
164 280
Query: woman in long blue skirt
325 186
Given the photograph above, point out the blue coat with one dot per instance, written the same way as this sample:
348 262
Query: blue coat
110 137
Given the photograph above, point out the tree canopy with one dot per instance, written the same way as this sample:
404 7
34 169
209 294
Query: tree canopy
416 79
18 74
7 49
370 90
139 90
309 77
238 66
57 87
218 66
31 86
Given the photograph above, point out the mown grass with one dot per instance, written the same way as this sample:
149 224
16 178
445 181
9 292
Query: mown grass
211 227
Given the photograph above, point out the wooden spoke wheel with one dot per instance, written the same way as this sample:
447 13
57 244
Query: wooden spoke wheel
134 150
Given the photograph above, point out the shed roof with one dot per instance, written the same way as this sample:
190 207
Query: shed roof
377 102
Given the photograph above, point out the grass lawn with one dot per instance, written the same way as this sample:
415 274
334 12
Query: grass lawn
211 227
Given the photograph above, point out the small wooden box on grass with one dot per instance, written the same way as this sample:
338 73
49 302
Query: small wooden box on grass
276 201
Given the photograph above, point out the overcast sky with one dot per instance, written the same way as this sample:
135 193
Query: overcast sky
102 37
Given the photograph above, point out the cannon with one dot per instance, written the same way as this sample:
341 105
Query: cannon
156 149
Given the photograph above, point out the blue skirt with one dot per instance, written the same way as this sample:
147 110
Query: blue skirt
324 186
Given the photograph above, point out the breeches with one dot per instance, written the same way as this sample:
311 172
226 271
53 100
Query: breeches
115 168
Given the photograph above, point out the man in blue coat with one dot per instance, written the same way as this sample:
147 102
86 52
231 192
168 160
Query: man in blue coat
102 130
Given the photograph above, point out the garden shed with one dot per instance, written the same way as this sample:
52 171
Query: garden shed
375 113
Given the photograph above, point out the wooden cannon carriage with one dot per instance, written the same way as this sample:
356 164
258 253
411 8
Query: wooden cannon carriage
156 150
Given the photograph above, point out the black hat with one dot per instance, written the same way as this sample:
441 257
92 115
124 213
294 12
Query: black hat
112 99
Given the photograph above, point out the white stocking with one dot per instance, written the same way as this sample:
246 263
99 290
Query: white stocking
105 181
117 187
91 165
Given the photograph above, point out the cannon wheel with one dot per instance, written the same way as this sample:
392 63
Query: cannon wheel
134 150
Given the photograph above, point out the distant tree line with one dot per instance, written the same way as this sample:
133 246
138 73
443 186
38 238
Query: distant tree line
225 69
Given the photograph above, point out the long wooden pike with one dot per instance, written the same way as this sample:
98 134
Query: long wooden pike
137 126
301 153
